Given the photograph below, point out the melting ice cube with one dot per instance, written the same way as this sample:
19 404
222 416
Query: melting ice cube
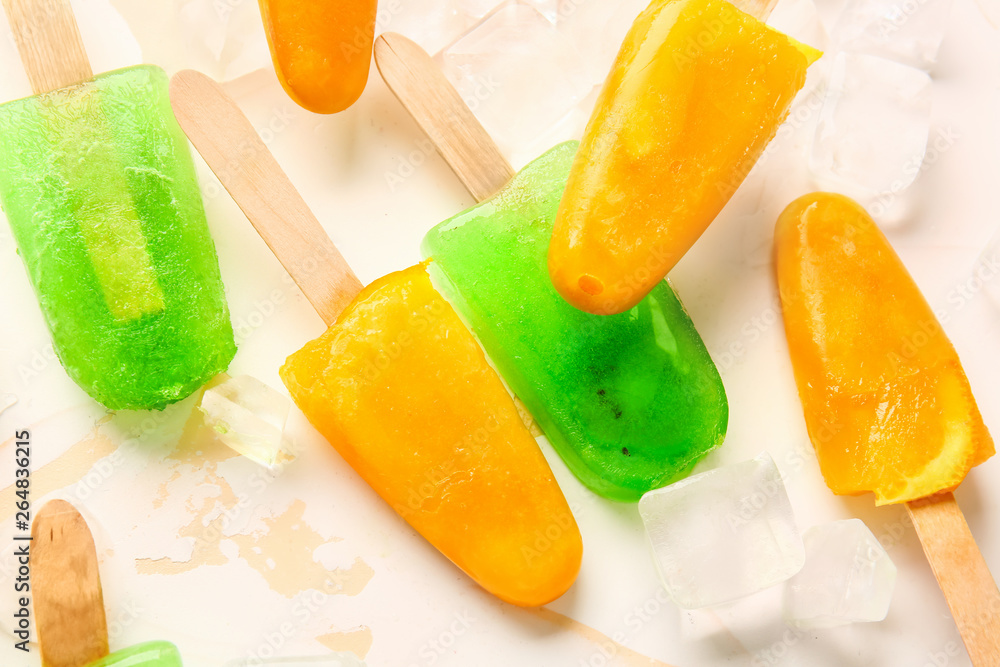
847 578
517 73
723 534
909 31
872 132
248 416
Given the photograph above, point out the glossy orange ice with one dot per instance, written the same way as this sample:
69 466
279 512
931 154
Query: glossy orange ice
403 391
696 93
321 49
887 404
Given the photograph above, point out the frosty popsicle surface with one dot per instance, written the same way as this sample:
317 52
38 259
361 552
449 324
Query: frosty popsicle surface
698 90
100 191
321 49
631 401
887 403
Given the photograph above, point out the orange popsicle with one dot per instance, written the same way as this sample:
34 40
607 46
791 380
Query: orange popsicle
402 390
698 90
887 404
321 49
398 384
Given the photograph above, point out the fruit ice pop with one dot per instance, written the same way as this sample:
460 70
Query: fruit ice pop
631 401
401 388
698 90
149 654
398 384
887 403
321 49
99 187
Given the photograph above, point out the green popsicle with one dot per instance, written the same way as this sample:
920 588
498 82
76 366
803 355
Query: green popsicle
99 187
630 401
148 654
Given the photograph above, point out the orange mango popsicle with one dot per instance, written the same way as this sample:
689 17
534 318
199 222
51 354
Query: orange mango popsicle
887 403
321 49
402 390
698 90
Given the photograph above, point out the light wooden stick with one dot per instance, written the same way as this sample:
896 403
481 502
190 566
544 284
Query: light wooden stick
440 112
49 42
66 588
957 563
962 573
234 151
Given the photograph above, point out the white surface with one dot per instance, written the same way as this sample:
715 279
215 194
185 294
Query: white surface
847 578
377 188
724 534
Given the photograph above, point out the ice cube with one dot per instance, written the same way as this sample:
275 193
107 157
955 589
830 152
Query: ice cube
433 24
597 29
248 416
223 38
872 132
517 73
477 9
723 534
848 578
909 31
800 19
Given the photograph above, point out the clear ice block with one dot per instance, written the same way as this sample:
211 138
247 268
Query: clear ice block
847 578
909 31
873 127
517 73
433 24
723 534
248 416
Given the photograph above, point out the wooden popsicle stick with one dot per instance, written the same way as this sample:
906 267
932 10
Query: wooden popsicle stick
66 588
247 169
49 42
234 151
962 574
421 87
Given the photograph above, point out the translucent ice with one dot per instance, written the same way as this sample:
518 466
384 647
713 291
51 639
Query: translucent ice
800 19
909 31
872 132
248 416
517 73
723 534
223 38
847 578
597 29
432 24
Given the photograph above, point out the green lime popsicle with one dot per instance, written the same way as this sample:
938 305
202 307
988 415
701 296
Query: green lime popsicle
630 401
100 190
149 654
